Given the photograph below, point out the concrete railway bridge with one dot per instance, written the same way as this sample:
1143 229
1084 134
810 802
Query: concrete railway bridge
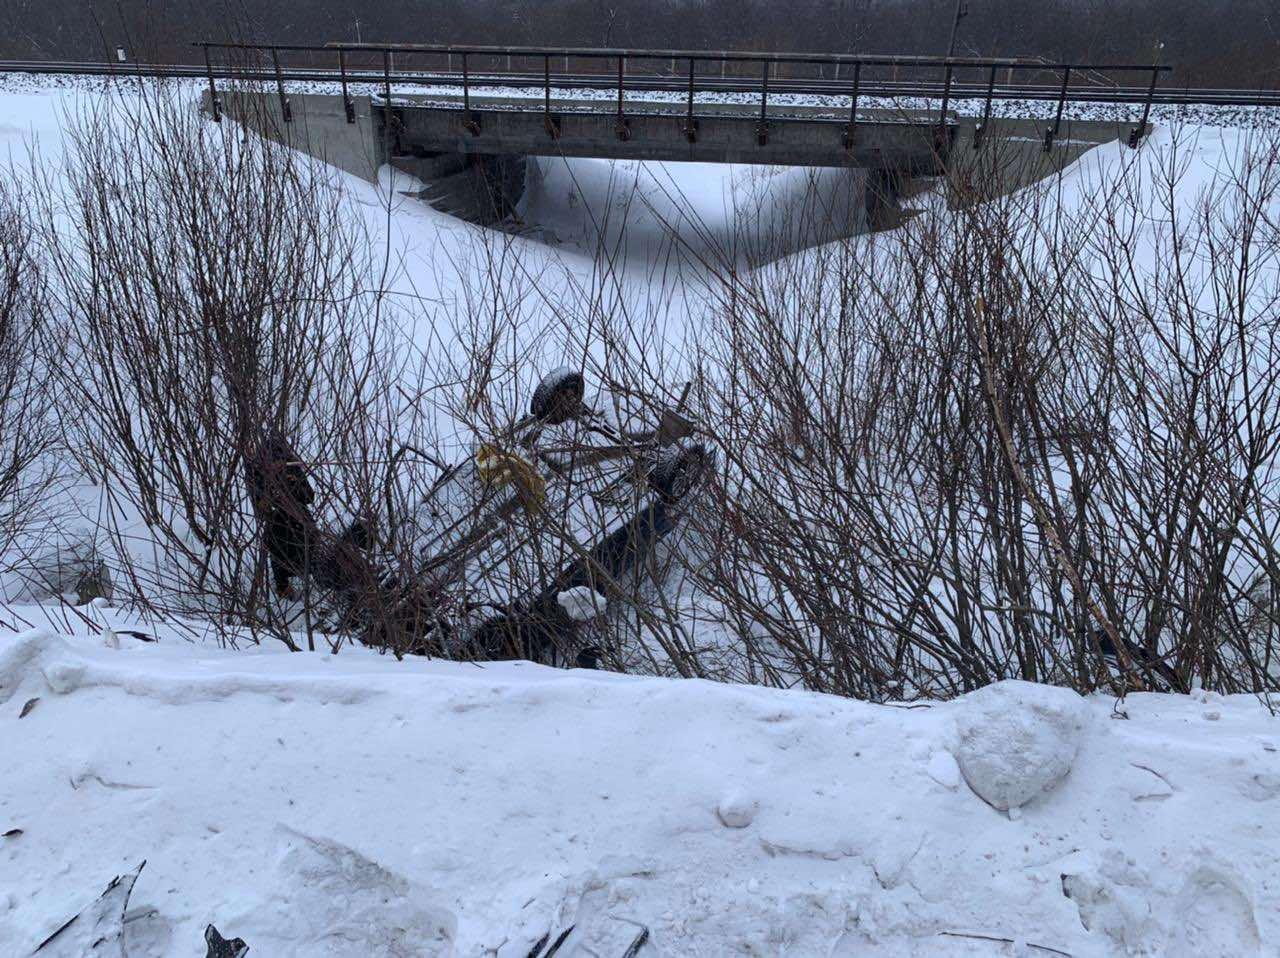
463 120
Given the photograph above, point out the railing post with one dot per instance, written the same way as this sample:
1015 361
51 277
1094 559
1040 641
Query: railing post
469 122
548 121
940 137
388 117
762 130
690 124
285 109
853 108
215 104
346 97
946 96
1136 135
466 89
981 131
624 131
1051 134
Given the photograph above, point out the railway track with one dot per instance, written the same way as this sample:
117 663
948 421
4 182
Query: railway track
675 84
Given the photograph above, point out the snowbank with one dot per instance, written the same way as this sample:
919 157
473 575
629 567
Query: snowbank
353 805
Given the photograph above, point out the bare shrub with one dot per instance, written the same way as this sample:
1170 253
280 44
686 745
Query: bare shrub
30 511
212 285
997 443
1019 437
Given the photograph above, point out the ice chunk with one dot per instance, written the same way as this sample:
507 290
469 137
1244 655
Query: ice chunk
342 905
1017 740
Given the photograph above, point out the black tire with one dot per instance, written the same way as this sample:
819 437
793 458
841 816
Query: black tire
558 397
677 474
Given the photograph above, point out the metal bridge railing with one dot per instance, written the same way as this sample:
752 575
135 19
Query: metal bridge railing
686 73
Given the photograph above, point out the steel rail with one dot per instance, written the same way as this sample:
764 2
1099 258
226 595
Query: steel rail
730 56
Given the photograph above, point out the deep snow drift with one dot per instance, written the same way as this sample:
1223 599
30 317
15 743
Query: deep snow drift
352 805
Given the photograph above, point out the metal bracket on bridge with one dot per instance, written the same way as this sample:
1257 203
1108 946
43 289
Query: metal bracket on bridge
941 136
980 131
550 123
469 121
215 102
622 127
347 105
762 128
690 124
1051 134
286 109
852 125
1143 127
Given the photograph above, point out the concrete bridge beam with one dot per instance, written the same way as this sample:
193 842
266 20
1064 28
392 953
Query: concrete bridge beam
914 145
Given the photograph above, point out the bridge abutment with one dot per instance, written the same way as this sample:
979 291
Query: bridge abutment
1010 154
480 188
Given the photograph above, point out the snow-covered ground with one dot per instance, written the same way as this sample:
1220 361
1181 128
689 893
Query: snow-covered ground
353 805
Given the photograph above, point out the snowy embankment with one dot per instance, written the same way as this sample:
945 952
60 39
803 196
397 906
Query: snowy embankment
354 805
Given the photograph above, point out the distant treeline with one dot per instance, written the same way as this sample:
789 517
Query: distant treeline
1231 44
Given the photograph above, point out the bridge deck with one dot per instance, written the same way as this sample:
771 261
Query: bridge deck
909 142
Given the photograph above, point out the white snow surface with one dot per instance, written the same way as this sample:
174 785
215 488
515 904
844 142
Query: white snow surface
354 805
581 603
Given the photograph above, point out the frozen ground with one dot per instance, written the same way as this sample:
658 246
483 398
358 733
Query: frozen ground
356 806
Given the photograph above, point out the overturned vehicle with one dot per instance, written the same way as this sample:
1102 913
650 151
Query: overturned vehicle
514 553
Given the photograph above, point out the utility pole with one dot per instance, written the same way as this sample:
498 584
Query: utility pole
962 11
358 30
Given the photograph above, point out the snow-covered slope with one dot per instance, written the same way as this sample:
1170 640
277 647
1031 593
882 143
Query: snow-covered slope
354 805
